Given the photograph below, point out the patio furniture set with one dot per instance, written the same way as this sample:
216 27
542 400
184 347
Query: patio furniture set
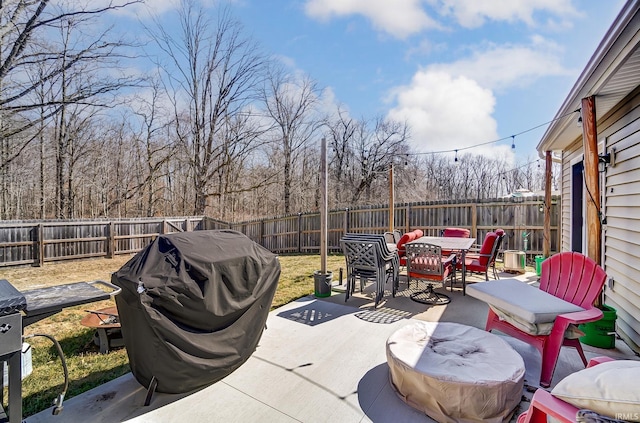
453 372
379 257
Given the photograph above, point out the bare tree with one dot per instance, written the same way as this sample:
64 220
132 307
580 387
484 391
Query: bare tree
152 146
212 77
376 150
24 27
342 130
290 101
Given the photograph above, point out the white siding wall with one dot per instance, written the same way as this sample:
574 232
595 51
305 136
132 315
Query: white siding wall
621 207
622 210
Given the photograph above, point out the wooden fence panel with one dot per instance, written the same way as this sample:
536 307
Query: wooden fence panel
37 242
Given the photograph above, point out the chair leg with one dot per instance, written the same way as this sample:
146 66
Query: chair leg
575 343
429 296
550 353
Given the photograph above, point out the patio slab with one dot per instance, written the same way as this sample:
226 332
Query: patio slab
319 360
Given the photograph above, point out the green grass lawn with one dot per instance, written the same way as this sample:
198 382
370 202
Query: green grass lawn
87 367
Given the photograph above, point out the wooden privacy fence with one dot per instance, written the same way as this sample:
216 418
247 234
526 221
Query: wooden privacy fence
522 218
37 242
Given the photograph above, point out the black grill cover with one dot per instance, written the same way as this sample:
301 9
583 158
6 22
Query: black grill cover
193 306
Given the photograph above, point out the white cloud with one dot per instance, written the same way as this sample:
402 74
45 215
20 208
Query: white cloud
474 13
445 112
400 18
500 67
450 106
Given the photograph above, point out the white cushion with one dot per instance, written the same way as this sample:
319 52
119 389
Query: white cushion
572 332
522 300
610 389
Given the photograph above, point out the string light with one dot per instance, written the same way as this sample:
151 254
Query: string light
513 145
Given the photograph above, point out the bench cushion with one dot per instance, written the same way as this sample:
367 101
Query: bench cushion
610 389
522 300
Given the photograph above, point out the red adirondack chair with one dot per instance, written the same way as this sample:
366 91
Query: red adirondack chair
544 405
569 276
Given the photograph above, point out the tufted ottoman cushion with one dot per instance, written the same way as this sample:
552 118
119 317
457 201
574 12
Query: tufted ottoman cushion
455 373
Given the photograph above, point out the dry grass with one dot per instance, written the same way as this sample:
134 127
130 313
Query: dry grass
87 367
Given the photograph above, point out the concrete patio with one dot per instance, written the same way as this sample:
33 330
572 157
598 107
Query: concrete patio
319 360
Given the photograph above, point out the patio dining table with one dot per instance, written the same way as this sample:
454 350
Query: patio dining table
452 244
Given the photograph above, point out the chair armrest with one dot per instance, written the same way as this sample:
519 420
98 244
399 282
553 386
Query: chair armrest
599 360
476 255
544 402
448 260
586 316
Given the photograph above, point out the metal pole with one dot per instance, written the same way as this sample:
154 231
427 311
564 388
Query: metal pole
391 198
323 206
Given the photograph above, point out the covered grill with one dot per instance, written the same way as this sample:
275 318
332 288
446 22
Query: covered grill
193 307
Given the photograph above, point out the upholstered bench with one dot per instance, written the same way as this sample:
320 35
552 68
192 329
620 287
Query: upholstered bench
454 373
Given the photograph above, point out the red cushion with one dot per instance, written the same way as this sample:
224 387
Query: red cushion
456 232
408 237
418 233
487 247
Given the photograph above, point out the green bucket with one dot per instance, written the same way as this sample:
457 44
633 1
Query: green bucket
601 333
539 260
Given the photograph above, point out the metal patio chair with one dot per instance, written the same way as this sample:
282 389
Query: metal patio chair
425 262
366 259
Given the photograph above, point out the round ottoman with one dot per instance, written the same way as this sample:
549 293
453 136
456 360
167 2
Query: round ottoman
455 373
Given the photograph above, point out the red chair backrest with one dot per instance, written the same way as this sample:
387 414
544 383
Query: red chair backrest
456 232
408 237
573 277
487 248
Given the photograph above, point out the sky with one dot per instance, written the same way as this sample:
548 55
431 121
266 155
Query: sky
459 72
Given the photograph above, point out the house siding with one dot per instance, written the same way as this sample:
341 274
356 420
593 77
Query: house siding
621 208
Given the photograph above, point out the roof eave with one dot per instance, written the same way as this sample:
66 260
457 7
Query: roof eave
563 130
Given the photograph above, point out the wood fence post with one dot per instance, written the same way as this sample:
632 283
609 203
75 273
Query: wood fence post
474 220
346 220
111 239
299 232
40 245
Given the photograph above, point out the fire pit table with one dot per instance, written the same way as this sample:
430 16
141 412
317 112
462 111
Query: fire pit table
455 373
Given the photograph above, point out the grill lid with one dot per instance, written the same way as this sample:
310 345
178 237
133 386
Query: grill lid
11 300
